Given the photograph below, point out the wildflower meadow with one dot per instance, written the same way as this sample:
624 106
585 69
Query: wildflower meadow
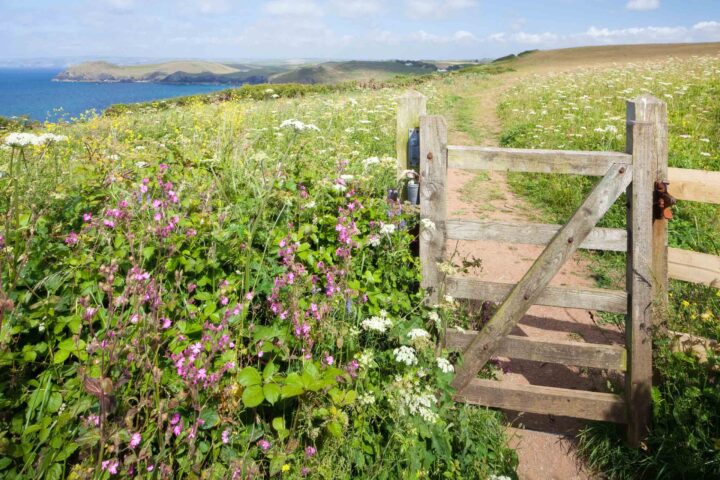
222 289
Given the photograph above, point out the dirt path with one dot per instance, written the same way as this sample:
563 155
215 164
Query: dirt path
545 444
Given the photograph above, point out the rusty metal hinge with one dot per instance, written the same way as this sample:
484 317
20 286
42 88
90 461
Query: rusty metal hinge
662 201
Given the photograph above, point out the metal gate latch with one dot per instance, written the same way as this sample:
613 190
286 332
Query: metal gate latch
662 201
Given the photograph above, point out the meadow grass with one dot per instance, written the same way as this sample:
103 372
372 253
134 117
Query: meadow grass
585 110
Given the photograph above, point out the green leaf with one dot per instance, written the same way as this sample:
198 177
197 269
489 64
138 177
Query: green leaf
278 424
54 472
68 450
148 252
269 371
54 402
249 376
293 386
61 356
253 396
335 428
210 417
271 391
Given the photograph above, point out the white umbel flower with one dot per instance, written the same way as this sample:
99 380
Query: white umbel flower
387 229
19 139
405 355
428 225
371 161
444 365
418 333
298 125
377 324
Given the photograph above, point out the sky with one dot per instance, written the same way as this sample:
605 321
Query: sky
338 29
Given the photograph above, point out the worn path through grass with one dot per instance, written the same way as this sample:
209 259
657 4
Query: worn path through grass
545 444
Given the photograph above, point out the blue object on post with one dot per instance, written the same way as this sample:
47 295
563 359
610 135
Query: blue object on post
413 148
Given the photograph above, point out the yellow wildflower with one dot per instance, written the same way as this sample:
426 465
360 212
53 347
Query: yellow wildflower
685 303
285 468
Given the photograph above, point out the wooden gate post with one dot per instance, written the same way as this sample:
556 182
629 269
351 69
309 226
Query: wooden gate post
411 105
433 201
647 255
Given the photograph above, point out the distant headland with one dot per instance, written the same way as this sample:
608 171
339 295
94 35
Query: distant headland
204 72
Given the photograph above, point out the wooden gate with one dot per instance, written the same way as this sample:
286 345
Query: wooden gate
635 173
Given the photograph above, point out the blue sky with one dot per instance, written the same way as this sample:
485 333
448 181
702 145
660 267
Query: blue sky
367 29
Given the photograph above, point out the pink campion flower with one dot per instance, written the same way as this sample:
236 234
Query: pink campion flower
226 436
150 468
310 451
109 223
143 188
191 287
89 313
163 167
123 204
329 360
191 232
71 239
224 300
166 323
249 296
2 241
175 419
177 429
111 466
202 374
93 420
352 367
135 318
87 217
264 444
135 440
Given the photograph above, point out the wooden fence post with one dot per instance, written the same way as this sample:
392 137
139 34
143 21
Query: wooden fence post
411 105
433 201
647 255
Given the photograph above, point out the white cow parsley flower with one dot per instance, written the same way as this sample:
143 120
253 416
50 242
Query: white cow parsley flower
377 324
371 161
387 229
418 333
444 365
428 224
405 355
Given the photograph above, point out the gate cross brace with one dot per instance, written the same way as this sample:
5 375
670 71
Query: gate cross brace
548 264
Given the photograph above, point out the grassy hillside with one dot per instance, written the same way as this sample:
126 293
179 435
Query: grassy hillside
335 72
211 72
606 55
150 72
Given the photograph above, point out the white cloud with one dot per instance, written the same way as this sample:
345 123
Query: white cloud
707 31
437 8
421 36
642 5
712 28
356 8
294 8
213 6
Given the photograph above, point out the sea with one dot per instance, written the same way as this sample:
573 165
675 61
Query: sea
32 93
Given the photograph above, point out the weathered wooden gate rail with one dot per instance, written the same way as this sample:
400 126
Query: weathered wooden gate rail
649 261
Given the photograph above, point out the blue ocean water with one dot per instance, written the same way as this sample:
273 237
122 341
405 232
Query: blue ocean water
32 92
